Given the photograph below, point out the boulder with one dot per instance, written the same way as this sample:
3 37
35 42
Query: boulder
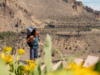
90 61
89 9
79 3
75 7
78 61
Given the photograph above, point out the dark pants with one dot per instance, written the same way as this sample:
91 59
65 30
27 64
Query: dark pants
33 53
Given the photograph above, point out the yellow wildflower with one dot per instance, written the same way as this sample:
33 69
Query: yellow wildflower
7 50
30 66
91 67
30 61
2 55
71 65
8 59
79 70
85 71
27 68
21 51
74 66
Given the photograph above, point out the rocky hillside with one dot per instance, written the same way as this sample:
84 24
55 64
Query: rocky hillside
45 9
79 3
16 17
97 13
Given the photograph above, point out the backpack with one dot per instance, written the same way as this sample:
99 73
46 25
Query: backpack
29 31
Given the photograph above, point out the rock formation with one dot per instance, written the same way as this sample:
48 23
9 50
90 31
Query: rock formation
99 16
89 9
75 7
17 17
79 3
70 1
76 4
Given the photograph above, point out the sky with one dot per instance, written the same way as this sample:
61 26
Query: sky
95 4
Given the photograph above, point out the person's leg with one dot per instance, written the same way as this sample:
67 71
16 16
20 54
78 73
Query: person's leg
34 59
35 53
31 54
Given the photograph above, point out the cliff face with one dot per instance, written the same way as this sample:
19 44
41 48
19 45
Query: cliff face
76 4
70 1
97 13
14 17
79 4
75 7
89 9
5 10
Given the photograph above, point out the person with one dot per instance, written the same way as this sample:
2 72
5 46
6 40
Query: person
33 39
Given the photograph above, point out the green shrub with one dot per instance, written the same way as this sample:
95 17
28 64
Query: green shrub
70 48
83 51
86 48
8 35
83 29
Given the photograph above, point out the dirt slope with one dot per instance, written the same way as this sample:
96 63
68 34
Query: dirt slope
17 16
55 8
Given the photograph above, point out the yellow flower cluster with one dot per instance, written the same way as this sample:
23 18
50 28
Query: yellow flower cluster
7 50
79 70
21 51
7 59
30 66
2 55
30 61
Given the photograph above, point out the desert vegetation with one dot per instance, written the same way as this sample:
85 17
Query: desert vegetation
34 68
65 39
